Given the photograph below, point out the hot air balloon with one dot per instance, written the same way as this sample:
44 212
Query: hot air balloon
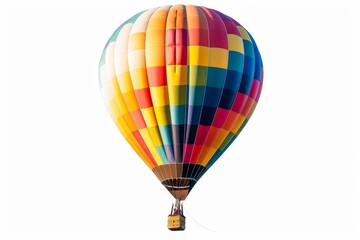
180 82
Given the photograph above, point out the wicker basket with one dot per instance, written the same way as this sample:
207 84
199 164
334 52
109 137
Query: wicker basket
176 222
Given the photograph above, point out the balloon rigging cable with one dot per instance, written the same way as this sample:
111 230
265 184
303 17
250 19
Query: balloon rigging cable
206 228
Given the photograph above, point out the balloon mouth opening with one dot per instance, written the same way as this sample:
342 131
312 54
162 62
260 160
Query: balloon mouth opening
179 178
179 187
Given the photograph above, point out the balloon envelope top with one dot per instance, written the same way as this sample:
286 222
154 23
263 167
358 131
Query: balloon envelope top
180 82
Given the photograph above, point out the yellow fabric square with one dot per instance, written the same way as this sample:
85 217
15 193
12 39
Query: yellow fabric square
139 78
159 95
155 56
218 57
155 38
130 101
115 86
198 55
149 116
176 74
125 83
129 122
120 104
155 136
114 109
235 43
122 126
162 115
137 41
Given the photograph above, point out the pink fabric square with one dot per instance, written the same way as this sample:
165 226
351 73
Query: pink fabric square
188 150
220 117
239 102
201 134
254 88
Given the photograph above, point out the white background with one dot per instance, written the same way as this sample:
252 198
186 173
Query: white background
67 173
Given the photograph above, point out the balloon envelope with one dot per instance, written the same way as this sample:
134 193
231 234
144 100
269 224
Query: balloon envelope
180 83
